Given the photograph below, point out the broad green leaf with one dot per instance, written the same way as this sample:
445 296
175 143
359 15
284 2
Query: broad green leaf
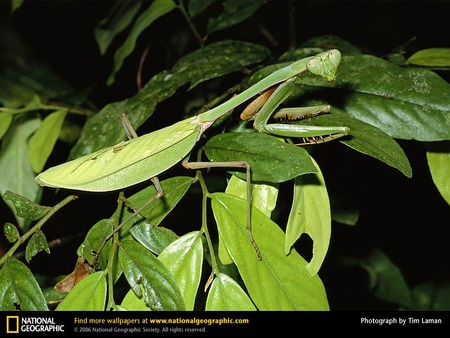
212 61
120 17
406 103
11 232
174 189
93 240
157 9
431 57
17 175
270 160
438 157
264 197
227 295
131 302
37 243
19 289
41 144
277 282
5 122
235 12
184 259
310 214
153 238
89 294
148 277
24 207
366 139
15 5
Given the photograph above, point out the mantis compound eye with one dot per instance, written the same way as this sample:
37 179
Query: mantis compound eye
325 64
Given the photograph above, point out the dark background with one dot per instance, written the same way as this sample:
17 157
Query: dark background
403 217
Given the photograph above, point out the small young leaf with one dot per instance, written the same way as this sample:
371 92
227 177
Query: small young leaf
37 243
184 259
310 214
276 282
270 160
19 289
227 295
148 276
24 207
431 57
88 295
41 144
11 232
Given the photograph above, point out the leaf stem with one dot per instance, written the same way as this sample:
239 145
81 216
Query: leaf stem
35 228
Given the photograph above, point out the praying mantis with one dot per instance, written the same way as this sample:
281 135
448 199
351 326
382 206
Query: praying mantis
142 158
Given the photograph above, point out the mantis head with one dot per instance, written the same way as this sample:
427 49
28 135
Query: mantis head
325 64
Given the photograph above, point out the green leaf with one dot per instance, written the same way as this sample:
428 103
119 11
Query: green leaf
174 189
148 276
19 289
41 144
11 232
264 196
406 103
131 302
89 294
157 9
120 17
37 243
277 282
212 61
17 175
5 122
153 238
235 12
227 295
195 7
270 159
184 259
24 207
431 296
366 139
386 279
93 240
438 157
431 57
310 214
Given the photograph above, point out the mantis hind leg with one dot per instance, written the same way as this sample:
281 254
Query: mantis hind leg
232 164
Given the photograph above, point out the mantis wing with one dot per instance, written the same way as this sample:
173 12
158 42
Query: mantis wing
127 163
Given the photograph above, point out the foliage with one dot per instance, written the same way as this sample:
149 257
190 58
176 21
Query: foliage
147 265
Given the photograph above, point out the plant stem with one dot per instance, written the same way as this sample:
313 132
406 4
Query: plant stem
36 227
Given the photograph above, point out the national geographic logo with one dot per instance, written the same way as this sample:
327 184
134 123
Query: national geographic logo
19 324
